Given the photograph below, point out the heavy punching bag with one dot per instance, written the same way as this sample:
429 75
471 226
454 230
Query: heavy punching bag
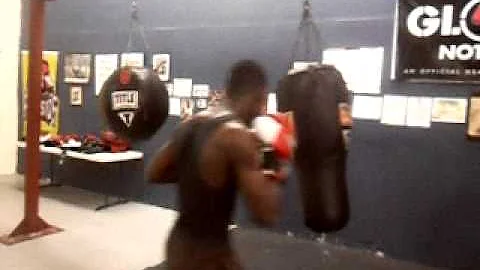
134 102
314 96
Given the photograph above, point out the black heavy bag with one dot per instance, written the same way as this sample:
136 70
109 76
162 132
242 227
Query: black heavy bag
134 102
313 95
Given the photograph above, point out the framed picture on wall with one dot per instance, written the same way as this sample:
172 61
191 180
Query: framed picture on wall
473 127
201 103
161 66
77 68
76 96
187 106
449 110
50 104
201 90
132 59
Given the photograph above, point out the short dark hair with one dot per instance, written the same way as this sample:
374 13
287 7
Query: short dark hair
245 77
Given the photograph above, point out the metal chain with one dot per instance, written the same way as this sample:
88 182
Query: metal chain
136 25
306 31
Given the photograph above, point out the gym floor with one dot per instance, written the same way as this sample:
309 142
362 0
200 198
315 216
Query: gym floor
132 237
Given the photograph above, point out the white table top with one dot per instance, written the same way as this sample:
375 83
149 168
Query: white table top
43 149
98 157
106 157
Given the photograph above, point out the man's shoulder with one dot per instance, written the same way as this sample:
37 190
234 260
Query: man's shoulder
235 126
234 134
229 132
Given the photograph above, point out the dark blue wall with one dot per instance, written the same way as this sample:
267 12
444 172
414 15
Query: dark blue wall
414 193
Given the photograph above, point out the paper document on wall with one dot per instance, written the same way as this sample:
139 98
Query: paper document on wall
182 87
367 107
105 65
449 110
169 87
303 65
419 112
174 107
394 110
272 103
361 68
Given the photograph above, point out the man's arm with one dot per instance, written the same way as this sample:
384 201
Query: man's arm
262 192
163 168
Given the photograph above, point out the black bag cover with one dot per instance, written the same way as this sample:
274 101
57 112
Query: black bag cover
313 95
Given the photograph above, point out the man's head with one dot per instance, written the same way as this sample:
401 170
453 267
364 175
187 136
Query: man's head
246 89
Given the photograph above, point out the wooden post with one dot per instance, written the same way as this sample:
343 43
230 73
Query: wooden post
32 225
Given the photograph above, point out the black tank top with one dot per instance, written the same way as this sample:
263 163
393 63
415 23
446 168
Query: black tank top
205 211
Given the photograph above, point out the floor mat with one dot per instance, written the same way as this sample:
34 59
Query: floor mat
262 250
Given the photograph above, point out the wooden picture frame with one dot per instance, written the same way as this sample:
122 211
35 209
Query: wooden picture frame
161 66
473 119
76 96
77 68
132 59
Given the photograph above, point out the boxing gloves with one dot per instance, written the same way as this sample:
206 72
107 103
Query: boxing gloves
277 132
277 136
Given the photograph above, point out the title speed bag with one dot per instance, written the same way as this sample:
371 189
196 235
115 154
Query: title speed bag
313 96
134 103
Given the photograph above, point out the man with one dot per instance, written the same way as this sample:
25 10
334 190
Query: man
211 157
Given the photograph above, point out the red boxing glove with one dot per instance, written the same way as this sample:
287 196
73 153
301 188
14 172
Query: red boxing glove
286 120
276 133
